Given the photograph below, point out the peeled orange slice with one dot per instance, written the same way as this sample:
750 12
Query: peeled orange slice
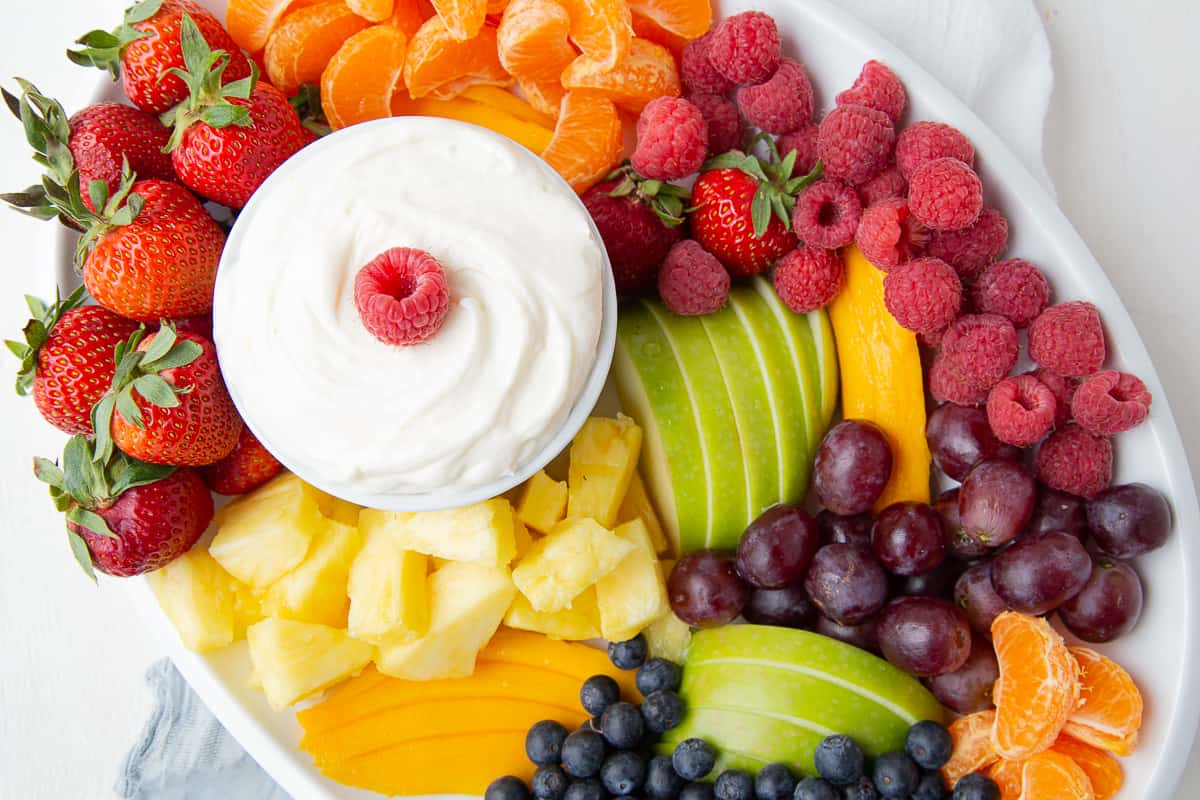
361 78
587 139
250 22
602 29
1008 776
532 39
438 65
1110 710
1102 769
462 18
300 47
646 28
410 15
973 751
1054 775
372 10
689 19
545 96
648 72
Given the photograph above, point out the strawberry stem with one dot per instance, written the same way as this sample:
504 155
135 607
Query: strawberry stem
103 49
37 331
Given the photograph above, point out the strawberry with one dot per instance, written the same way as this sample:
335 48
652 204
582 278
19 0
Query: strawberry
228 138
125 517
742 208
247 467
168 403
67 358
146 48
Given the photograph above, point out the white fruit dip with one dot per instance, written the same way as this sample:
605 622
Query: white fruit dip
481 397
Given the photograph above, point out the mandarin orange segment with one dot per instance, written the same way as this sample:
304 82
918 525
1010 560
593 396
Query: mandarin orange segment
440 66
1008 776
973 751
602 29
250 22
410 15
508 103
463 18
587 139
372 10
532 39
1054 775
646 28
1102 769
689 19
1109 713
528 134
545 96
361 78
496 7
648 72
1037 688
300 47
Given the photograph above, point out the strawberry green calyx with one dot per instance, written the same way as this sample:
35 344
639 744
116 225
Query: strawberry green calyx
666 200
207 100
103 49
112 210
80 485
139 370
37 331
47 129
307 102
777 189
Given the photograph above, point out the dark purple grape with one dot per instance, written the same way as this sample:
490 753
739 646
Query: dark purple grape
862 635
848 530
960 437
777 548
969 688
924 635
958 544
1058 511
995 501
846 583
1129 520
705 590
938 582
854 463
907 539
976 596
788 607
1107 606
1039 573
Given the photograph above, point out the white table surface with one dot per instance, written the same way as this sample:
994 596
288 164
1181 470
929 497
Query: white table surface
1122 145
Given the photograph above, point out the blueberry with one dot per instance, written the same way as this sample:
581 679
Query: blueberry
583 753
697 790
598 693
622 726
589 789
693 759
896 776
549 782
816 789
929 744
623 773
774 782
733 784
661 781
628 654
975 787
658 674
930 787
507 788
543 743
839 760
862 789
662 710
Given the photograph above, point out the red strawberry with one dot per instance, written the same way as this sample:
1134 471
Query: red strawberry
639 222
67 358
125 517
168 403
146 48
247 467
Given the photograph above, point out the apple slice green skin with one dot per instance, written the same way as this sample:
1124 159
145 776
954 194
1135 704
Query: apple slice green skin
746 741
822 331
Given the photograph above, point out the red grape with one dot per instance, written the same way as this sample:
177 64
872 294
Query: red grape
938 582
1058 511
1107 606
1129 520
995 501
705 590
854 463
777 548
958 544
861 635
969 688
850 530
846 583
960 437
907 539
924 635
1039 573
788 607
976 596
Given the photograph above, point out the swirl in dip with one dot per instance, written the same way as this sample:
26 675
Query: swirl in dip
487 391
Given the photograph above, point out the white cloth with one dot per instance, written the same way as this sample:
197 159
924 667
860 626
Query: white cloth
993 54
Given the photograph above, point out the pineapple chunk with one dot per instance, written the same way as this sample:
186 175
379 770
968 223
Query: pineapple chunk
481 533
576 554
388 596
581 620
637 505
604 457
198 596
634 594
466 603
247 609
337 509
521 537
293 659
668 636
315 591
543 502
264 535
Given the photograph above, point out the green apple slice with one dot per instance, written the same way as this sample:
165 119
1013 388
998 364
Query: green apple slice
751 408
747 741
822 332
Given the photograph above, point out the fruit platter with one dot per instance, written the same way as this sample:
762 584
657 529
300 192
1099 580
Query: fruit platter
587 399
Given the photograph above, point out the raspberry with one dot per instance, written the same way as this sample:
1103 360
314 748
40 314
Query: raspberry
781 104
888 234
925 141
947 384
876 87
945 194
884 186
698 74
827 214
1111 402
1068 339
745 48
983 347
804 142
808 278
923 294
636 239
1063 389
401 296
1075 461
692 280
672 139
1021 410
724 124
1014 288
972 248
855 142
